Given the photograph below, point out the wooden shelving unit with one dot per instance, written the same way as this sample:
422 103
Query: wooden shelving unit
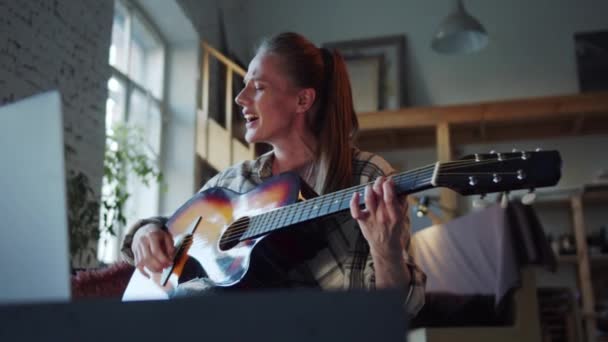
583 260
593 259
515 119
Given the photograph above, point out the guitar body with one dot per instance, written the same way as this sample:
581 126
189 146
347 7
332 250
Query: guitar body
219 209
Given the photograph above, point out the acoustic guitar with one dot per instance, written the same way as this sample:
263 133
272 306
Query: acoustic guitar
219 230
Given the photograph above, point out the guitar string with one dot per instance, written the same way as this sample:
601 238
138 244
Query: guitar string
332 197
307 207
312 205
239 228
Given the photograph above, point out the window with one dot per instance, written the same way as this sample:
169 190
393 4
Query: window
135 98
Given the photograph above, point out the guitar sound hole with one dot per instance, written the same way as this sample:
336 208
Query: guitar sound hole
232 236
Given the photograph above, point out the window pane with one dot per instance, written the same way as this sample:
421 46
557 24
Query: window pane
145 114
147 58
115 104
120 38
108 250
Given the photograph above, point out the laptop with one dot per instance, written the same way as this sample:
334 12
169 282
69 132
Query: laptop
34 248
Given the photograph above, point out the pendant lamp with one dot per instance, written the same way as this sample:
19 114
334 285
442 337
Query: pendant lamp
459 32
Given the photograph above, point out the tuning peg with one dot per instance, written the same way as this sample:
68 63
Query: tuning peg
477 157
524 155
514 150
521 175
496 178
538 149
529 198
472 181
499 156
492 152
423 206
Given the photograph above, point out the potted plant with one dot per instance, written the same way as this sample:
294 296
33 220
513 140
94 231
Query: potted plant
126 155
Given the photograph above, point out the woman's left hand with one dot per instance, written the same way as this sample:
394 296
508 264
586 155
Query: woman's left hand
384 219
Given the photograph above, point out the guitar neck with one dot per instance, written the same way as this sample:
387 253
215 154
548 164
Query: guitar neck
405 183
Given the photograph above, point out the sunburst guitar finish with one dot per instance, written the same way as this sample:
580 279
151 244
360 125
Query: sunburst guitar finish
224 213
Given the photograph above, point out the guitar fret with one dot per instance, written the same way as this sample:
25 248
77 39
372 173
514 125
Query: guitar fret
262 223
273 219
252 227
290 212
257 224
315 209
280 218
323 205
333 203
309 208
284 217
329 204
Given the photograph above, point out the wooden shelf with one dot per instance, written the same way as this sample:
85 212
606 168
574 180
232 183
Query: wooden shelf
573 259
565 198
575 201
487 121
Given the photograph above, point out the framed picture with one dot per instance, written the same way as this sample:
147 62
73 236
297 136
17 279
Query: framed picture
592 60
376 71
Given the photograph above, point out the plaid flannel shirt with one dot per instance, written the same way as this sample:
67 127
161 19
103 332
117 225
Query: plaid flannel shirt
345 261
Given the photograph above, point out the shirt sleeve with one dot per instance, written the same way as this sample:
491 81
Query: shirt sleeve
376 166
127 251
414 300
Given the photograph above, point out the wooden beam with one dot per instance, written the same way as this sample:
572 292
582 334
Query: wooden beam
225 60
584 268
202 130
447 198
499 111
229 118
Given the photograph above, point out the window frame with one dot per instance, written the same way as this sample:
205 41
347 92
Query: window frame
130 84
106 253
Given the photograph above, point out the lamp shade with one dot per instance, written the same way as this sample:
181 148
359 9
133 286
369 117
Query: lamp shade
459 32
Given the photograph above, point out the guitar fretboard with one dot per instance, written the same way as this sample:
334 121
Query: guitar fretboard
262 224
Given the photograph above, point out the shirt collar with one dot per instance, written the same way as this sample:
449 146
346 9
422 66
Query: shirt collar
265 170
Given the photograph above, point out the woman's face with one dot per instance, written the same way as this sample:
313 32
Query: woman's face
269 101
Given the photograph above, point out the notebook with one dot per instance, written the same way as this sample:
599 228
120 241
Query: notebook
34 248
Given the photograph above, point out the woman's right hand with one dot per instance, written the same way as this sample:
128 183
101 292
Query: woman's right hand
152 248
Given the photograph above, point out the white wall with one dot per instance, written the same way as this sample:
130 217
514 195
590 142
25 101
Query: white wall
62 45
531 52
179 131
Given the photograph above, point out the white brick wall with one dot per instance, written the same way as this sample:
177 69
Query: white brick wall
61 44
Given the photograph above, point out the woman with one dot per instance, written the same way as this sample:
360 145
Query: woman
297 98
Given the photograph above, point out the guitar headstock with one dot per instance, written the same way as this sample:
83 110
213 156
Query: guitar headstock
497 172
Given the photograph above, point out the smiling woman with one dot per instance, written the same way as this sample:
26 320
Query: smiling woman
297 98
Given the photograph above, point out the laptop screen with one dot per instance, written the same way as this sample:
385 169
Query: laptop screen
34 249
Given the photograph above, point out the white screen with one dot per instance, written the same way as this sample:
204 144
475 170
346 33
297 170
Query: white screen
34 261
